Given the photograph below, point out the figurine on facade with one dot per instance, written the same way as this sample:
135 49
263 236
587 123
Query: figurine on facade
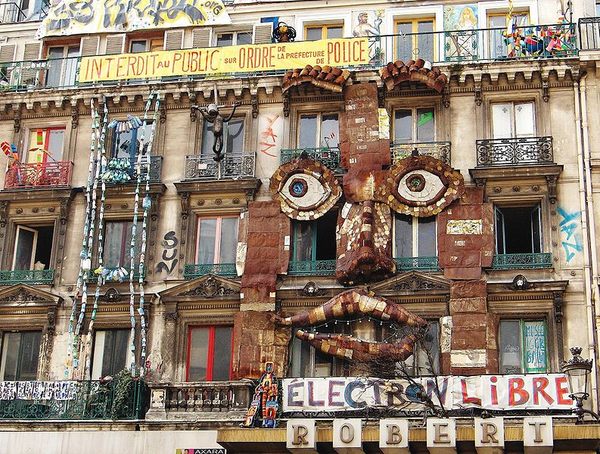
212 115
284 33
265 401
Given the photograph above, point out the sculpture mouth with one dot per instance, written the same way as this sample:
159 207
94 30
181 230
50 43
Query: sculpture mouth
364 267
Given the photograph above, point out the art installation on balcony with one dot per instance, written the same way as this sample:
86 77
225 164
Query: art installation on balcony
326 77
265 402
213 116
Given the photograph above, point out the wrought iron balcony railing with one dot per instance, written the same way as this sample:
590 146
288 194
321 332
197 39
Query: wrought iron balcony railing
192 271
112 274
416 263
328 156
124 170
38 175
589 33
438 150
232 167
73 400
187 400
29 277
10 12
522 261
515 151
311 268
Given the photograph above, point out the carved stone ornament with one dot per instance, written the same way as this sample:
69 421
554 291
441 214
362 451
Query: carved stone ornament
416 284
210 288
24 297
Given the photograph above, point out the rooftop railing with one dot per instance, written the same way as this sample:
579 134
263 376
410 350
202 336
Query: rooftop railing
233 166
514 151
529 42
38 175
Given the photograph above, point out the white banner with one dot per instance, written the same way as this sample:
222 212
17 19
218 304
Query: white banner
491 392
38 390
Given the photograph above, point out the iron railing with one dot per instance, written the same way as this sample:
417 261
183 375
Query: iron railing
38 175
589 33
233 166
192 271
438 150
311 267
73 400
10 12
522 261
128 167
416 263
328 156
111 275
29 277
515 151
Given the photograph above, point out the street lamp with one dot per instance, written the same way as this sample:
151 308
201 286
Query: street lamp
578 371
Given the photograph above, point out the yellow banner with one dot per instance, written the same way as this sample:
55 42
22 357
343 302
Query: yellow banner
225 60
78 17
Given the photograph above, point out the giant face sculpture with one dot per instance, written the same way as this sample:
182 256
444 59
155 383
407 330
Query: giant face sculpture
420 186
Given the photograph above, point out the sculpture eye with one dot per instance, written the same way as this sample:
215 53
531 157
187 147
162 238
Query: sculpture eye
420 186
305 188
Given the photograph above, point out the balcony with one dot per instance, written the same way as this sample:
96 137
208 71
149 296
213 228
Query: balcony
328 156
217 400
192 271
29 277
72 400
312 268
522 261
522 151
10 13
438 150
404 264
38 175
124 170
589 33
232 167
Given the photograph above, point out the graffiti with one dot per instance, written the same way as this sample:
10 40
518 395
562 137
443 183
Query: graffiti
569 228
268 138
69 14
169 254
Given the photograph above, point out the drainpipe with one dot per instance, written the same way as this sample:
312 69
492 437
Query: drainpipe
588 232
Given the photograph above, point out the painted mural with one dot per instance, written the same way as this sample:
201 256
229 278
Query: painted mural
461 45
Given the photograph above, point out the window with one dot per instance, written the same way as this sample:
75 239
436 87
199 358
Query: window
415 39
216 241
62 66
33 247
324 31
497 21
414 125
126 142
513 119
20 354
315 240
112 352
305 361
234 39
414 237
117 243
233 138
318 130
146 45
518 230
523 346
209 353
45 144
425 359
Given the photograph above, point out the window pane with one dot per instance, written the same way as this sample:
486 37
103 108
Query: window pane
404 41
335 32
235 136
11 345
502 120
510 347
403 127
24 249
518 230
208 140
525 120
428 351
303 241
536 229
126 261
229 233
122 144
222 353
427 237
55 143
138 46
37 143
403 236
55 68
425 125
500 242
198 354
29 354
534 334
225 39
313 33
244 38
114 244
330 130
300 359
114 357
307 135
425 40
205 247
325 236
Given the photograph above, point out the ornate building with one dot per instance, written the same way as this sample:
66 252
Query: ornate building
299 226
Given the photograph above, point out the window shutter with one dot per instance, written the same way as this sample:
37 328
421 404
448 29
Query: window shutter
89 46
173 39
7 53
115 44
201 37
263 33
32 51
30 77
500 236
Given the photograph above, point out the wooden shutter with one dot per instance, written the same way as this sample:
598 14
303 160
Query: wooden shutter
201 37
115 44
7 53
89 46
173 39
31 77
263 33
32 51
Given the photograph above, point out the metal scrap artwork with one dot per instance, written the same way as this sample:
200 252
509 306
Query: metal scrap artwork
393 74
326 77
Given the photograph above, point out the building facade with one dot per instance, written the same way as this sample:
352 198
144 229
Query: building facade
392 204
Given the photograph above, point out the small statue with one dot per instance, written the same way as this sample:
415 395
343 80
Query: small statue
212 115
284 33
